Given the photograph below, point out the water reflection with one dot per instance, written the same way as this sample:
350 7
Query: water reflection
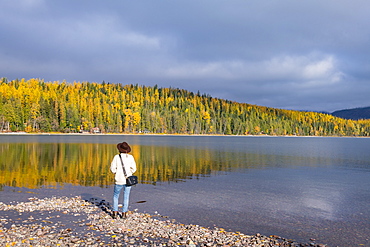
33 165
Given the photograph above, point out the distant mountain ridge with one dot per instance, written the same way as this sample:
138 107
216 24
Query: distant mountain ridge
354 114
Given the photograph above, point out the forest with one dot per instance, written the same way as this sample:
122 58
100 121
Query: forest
36 106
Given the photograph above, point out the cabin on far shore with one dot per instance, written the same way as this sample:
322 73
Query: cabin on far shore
95 130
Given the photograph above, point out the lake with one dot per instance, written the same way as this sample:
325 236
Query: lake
295 187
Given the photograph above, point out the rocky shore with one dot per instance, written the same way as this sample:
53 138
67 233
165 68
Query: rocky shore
64 221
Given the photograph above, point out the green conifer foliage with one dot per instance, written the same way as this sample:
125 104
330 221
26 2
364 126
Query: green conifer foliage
37 106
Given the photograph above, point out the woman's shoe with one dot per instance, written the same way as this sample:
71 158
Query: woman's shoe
114 215
124 214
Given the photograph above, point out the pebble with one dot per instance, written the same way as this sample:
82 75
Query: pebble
95 226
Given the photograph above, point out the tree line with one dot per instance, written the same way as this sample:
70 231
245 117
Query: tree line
37 106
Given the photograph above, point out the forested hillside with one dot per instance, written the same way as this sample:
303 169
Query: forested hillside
37 106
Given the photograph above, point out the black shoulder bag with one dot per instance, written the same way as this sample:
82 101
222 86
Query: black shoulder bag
131 180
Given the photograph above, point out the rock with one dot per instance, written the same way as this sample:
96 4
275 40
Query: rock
131 241
94 226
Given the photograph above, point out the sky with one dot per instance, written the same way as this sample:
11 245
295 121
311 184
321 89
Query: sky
301 55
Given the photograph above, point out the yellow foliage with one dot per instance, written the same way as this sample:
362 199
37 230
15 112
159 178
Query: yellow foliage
35 105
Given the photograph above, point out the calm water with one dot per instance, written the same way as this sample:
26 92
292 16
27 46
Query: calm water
295 187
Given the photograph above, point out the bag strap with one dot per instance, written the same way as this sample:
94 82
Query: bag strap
123 167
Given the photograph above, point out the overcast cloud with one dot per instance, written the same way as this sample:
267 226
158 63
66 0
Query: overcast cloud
302 55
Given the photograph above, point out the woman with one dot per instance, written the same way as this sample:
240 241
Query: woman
127 160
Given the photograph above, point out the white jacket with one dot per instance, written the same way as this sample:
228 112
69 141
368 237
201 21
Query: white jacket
116 167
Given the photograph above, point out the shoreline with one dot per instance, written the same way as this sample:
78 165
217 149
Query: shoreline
66 221
193 135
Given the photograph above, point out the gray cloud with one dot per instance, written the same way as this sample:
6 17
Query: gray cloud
309 55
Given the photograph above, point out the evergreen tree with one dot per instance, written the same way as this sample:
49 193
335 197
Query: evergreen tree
38 106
